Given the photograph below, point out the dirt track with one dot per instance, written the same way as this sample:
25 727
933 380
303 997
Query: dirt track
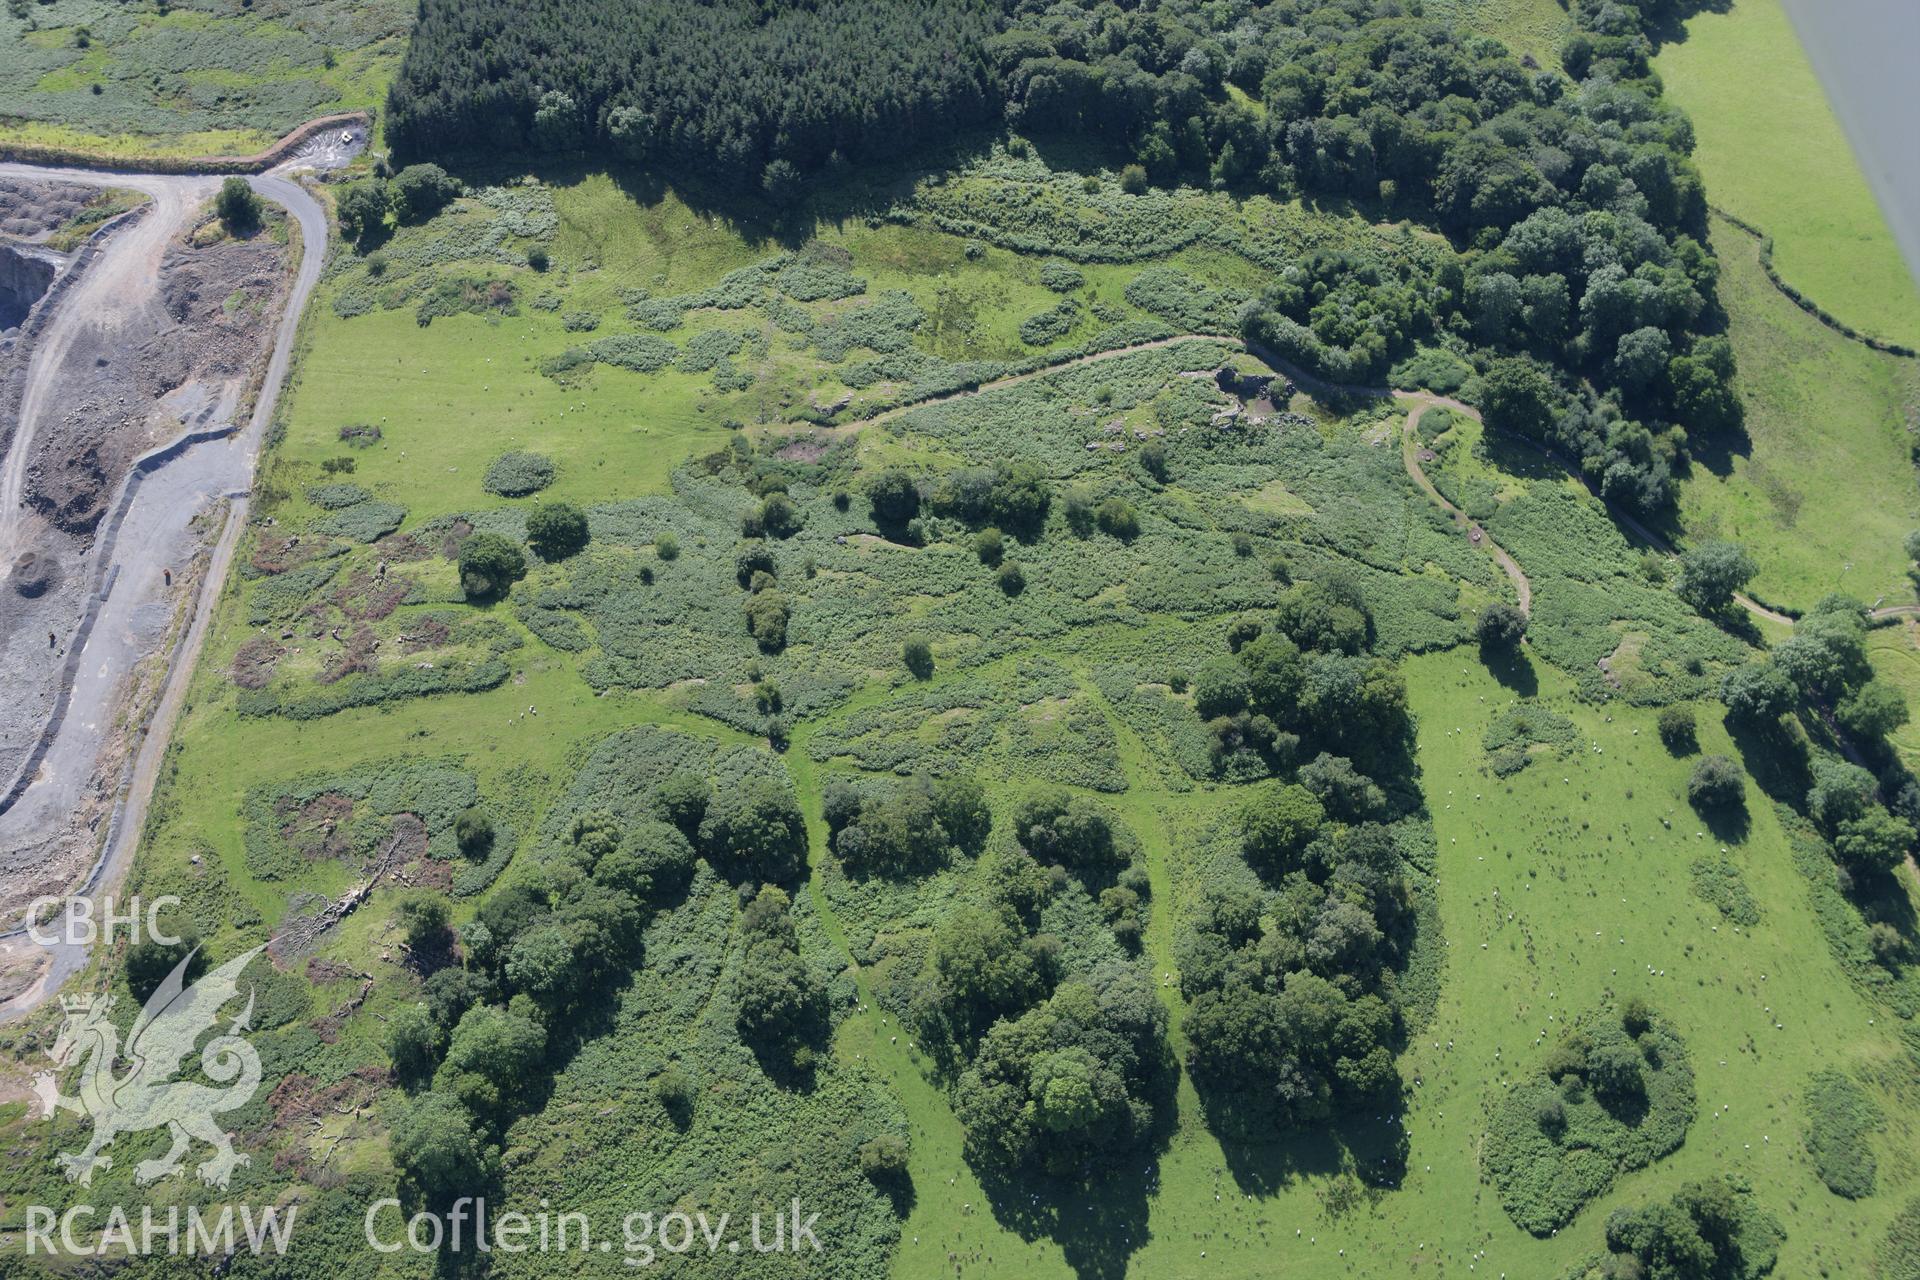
1410 458
121 280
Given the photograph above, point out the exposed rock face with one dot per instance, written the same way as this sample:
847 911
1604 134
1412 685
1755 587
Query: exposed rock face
24 277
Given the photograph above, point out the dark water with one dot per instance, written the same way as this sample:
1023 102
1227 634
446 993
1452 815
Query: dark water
1867 54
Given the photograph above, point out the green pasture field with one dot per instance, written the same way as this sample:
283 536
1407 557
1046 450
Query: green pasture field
1895 651
465 388
1772 152
205 77
1830 423
1827 491
1588 852
1537 971
1579 848
459 395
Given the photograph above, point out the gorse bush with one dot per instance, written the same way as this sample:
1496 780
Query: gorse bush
1717 784
1677 729
515 475
1184 302
1841 1117
1899 1253
1051 325
1061 277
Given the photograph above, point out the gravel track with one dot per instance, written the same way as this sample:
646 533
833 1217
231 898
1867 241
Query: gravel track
192 480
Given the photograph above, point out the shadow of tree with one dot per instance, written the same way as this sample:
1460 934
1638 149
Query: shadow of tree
1512 668
1729 823
1265 1157
1099 1223
1775 758
866 192
899 1190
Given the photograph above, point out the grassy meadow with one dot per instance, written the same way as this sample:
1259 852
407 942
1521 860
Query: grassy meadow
1824 491
1895 651
1830 424
1562 888
1534 28
207 77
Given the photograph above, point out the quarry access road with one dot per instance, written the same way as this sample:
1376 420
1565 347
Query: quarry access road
133 562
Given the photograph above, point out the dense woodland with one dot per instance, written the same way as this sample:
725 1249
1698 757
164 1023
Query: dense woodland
745 89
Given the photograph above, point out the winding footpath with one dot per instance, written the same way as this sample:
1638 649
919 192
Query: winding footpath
1420 402
204 471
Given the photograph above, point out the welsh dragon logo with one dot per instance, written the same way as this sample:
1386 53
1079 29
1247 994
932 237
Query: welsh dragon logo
147 1096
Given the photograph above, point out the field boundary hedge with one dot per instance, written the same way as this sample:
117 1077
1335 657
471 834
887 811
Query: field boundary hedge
1805 303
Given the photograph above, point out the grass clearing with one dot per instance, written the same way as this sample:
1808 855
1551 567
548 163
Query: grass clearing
459 395
1545 874
1533 28
1895 651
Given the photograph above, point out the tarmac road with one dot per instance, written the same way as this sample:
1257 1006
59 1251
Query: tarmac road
132 618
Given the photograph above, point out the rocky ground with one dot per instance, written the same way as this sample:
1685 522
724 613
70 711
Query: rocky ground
29 213
184 361
31 210
49 838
